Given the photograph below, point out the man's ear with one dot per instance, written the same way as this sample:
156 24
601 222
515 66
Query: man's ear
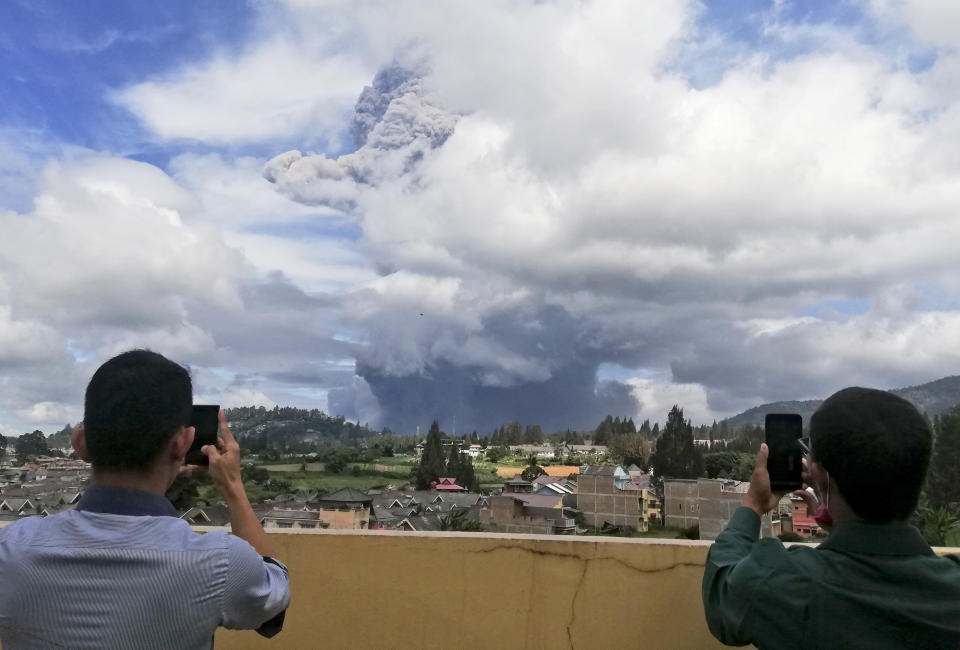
78 439
180 443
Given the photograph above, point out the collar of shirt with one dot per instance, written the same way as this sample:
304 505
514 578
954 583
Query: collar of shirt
877 539
125 501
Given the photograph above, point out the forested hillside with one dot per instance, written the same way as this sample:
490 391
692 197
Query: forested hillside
291 429
932 398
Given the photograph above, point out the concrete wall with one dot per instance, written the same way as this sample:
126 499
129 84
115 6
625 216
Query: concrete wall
464 590
600 501
507 515
703 503
680 499
468 590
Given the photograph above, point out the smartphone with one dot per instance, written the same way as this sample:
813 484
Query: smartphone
785 462
206 423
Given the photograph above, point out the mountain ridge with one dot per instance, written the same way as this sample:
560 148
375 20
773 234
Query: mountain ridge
932 398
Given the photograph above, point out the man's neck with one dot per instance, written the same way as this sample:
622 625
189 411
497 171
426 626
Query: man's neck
147 482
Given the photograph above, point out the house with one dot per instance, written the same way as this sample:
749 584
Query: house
541 451
803 524
288 518
555 485
587 449
346 509
709 504
518 485
528 513
17 505
474 451
391 508
607 495
447 484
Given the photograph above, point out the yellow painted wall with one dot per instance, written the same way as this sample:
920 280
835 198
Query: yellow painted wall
459 590
464 590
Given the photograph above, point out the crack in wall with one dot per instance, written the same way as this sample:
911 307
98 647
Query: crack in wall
585 562
573 603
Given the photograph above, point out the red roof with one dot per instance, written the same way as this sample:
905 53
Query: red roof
448 487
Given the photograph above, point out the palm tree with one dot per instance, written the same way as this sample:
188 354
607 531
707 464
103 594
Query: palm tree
456 520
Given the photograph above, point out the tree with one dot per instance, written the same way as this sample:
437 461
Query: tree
513 433
466 477
31 445
631 449
943 480
604 431
496 453
533 435
729 464
676 456
432 462
457 520
3 445
453 462
532 472
938 524
254 474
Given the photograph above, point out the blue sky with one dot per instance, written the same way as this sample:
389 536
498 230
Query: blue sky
682 190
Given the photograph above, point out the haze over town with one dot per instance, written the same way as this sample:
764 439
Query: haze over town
544 212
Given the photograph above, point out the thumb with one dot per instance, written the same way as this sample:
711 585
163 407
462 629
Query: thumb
211 452
762 455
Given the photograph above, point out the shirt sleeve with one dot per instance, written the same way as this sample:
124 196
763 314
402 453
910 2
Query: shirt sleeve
257 589
737 566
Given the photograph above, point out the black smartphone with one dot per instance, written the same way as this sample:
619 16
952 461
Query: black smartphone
785 462
206 423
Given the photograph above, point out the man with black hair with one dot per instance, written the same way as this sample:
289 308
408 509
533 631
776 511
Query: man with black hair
122 570
875 582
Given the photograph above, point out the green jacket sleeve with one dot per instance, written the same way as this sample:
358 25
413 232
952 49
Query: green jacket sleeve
737 565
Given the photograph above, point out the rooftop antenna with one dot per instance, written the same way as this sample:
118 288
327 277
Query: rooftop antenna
454 426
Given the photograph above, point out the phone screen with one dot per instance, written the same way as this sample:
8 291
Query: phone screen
206 424
785 462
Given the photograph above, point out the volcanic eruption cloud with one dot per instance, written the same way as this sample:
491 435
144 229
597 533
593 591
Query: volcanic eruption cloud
591 223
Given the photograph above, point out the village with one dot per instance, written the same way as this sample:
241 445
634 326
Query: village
601 498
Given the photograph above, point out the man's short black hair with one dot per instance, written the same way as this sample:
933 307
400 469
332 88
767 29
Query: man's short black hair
876 447
134 404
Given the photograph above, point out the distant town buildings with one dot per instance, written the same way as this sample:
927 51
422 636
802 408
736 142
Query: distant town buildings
796 520
709 504
528 514
608 495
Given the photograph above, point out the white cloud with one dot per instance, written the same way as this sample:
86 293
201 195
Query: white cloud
936 22
283 87
679 223
655 399
48 412
591 204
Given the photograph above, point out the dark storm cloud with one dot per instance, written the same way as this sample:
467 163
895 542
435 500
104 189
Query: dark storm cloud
482 396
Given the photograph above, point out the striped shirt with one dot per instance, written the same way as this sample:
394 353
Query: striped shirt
122 571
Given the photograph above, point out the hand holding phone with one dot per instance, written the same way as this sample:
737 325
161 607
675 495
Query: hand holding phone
205 421
785 462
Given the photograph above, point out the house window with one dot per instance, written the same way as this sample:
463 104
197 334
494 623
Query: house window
308 524
285 524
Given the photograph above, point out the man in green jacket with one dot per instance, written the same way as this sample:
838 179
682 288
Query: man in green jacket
874 582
